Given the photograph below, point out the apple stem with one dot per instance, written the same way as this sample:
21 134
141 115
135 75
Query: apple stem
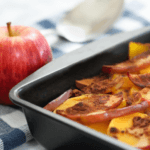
9 29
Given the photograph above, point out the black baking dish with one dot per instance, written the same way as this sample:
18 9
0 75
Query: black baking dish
54 131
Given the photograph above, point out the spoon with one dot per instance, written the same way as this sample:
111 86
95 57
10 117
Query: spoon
88 20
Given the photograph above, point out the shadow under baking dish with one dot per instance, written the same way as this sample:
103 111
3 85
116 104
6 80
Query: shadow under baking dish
52 130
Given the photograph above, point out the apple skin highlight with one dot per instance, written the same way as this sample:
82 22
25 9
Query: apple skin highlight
22 53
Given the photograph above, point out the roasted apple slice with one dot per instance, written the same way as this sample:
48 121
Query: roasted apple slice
136 48
134 89
133 129
139 96
130 97
146 70
141 80
124 94
76 92
83 83
51 106
86 82
145 92
100 116
137 63
88 104
142 95
89 109
104 86
100 126
127 84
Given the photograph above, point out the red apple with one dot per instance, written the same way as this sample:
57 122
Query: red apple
22 51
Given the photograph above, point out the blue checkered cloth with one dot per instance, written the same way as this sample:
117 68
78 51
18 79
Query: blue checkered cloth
44 14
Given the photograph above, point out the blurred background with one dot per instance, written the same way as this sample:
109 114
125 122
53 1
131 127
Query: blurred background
45 14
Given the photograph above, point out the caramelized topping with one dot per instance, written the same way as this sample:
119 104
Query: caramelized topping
141 80
140 127
93 103
76 93
104 86
141 122
114 130
79 108
86 82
